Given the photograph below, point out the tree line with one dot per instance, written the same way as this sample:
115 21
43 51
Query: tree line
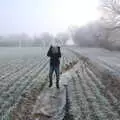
104 32
23 40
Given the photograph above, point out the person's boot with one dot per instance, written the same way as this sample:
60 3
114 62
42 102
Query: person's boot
50 83
57 83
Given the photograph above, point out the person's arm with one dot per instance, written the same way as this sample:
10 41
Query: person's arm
49 52
59 53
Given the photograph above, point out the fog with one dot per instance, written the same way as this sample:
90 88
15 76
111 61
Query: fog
86 59
35 16
40 22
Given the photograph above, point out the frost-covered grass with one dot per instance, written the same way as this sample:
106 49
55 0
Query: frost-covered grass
91 90
21 69
89 97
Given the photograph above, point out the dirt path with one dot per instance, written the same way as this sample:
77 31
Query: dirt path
50 105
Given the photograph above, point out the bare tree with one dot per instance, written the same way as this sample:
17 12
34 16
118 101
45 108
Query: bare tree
111 20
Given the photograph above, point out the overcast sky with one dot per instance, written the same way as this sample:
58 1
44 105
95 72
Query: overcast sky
36 16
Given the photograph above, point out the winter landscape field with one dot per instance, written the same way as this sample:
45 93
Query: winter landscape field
89 85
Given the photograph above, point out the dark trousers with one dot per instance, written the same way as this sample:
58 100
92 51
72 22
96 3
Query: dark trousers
52 69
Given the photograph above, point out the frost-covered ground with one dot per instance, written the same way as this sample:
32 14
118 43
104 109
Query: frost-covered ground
89 85
95 85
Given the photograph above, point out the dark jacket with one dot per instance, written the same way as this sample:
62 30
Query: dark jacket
54 58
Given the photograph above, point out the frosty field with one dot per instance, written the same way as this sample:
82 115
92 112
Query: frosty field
89 85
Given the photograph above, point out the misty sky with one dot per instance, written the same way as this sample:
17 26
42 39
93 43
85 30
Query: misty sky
36 16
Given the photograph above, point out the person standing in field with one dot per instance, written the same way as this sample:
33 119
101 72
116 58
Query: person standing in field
54 53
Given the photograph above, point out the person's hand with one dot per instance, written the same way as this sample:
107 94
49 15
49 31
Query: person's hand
51 46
